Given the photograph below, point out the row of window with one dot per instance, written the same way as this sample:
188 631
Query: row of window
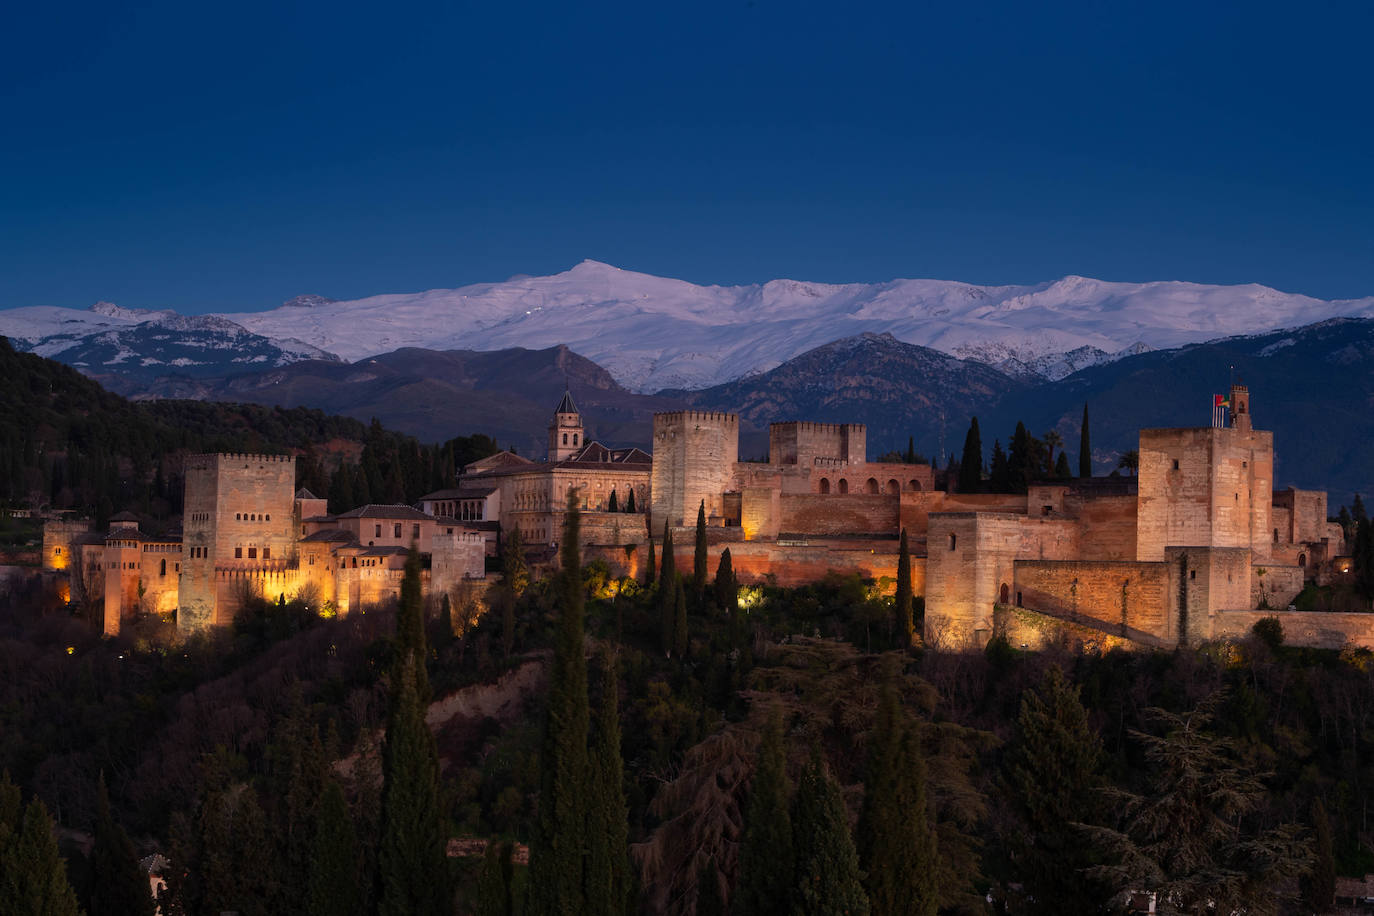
253 553
396 531
251 517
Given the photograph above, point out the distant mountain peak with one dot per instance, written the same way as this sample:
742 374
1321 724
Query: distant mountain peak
307 301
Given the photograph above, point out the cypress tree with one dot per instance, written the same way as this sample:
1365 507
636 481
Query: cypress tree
896 843
766 862
1357 510
903 605
410 627
667 594
827 882
1019 463
514 570
680 621
119 887
727 589
607 820
33 876
331 887
971 461
699 556
411 855
999 470
556 857
630 501
494 896
613 504
1052 772
1363 554
910 457
1061 467
651 568
1085 449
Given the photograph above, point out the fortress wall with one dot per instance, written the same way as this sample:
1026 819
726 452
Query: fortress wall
839 515
1319 629
970 555
160 589
58 538
1048 538
456 558
801 443
1205 580
1309 515
612 528
1129 594
1277 587
1031 630
756 562
760 512
1281 520
1107 526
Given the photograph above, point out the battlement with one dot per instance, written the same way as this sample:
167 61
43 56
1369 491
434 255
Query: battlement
698 416
215 457
808 426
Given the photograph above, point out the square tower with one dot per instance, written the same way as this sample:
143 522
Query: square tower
238 515
695 453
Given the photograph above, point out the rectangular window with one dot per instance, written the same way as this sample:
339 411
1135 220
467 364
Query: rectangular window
415 532
238 553
378 532
396 530
267 553
252 553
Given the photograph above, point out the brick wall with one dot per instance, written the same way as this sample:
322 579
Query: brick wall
831 515
789 566
1321 629
1106 526
1277 587
1133 596
695 453
969 556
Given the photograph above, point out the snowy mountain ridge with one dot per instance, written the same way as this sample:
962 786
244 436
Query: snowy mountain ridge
654 332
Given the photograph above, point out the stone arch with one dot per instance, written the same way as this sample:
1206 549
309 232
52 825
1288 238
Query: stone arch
893 488
1302 559
915 486
844 486
825 485
871 485
1004 597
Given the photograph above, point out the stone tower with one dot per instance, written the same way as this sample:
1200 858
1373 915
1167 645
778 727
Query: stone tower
237 517
695 452
566 435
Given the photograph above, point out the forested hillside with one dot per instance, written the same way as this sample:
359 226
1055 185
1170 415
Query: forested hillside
67 443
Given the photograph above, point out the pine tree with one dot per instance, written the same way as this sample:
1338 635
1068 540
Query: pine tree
119 887
557 870
607 820
411 855
903 606
494 897
613 504
1052 774
680 621
331 886
410 627
1085 450
971 461
1357 510
1319 886
699 555
727 589
766 862
827 881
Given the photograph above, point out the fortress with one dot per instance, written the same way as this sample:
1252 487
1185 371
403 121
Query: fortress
1198 546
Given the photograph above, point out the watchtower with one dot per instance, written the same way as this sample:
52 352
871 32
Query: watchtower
695 453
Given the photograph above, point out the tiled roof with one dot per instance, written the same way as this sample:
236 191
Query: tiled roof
596 453
303 493
459 493
566 405
331 535
377 510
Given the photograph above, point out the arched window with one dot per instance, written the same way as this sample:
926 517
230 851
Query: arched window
574 438
915 486
1006 594
825 485
953 540
871 486
1276 535
893 488
844 486
1302 559
565 438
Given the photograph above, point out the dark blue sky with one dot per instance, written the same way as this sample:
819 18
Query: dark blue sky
229 157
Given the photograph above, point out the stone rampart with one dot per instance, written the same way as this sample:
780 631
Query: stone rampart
1128 596
1275 586
839 515
1318 629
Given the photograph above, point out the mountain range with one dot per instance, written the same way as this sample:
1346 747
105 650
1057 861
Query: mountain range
653 333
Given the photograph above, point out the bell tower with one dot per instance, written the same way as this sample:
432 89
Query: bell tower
1240 408
566 436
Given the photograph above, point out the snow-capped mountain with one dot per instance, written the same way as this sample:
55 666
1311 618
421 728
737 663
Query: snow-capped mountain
653 333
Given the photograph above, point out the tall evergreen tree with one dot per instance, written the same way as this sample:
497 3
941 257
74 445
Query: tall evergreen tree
1052 774
827 881
680 621
896 842
1363 556
667 594
1061 467
630 502
514 570
411 855
903 605
557 869
410 627
613 504
699 555
766 862
1085 448
971 461
1357 510
910 456
331 886
651 566
119 887
494 892
999 470
33 876
607 824
1020 464
727 589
